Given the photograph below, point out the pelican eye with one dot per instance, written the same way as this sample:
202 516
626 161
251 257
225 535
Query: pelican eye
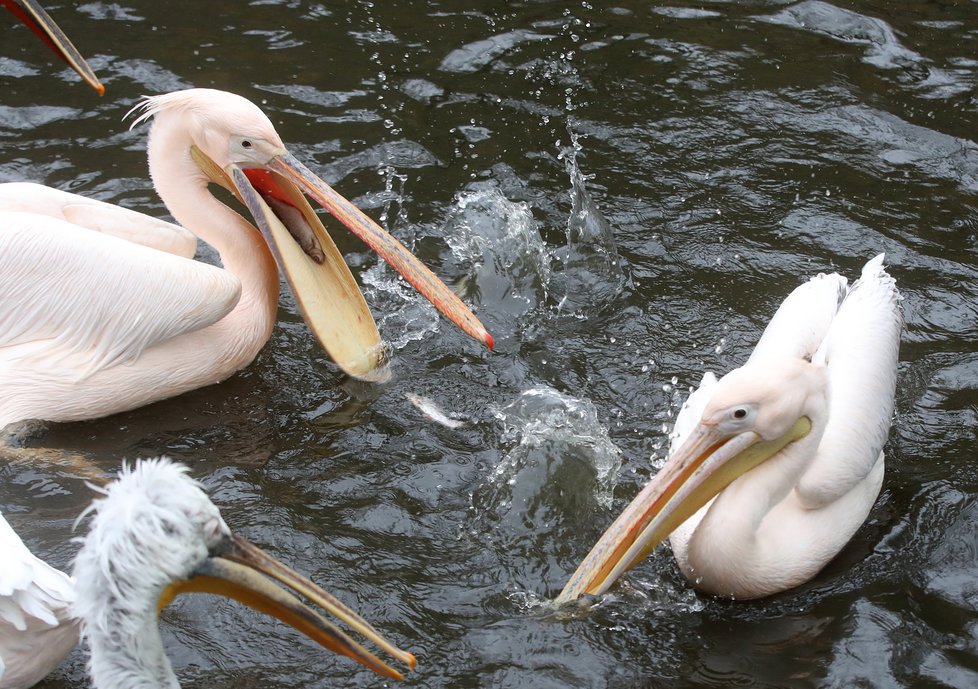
246 144
740 413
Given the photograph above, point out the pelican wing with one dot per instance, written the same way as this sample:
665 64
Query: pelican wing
29 587
36 625
70 293
803 319
860 351
99 216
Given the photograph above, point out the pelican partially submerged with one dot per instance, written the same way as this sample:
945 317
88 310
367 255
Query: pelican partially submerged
155 535
775 466
103 309
38 21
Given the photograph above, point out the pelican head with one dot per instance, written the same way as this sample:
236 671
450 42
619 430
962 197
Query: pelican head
34 16
752 414
214 136
763 398
229 129
154 535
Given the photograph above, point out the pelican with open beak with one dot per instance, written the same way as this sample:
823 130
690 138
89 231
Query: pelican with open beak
104 309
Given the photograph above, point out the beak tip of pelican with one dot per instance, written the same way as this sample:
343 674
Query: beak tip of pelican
490 343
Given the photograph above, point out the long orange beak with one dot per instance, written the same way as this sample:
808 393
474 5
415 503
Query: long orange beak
325 290
705 464
386 245
34 16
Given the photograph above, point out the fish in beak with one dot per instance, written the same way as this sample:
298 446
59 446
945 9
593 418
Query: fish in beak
34 16
272 184
238 569
708 461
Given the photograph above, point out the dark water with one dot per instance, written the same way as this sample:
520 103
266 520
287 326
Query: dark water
625 193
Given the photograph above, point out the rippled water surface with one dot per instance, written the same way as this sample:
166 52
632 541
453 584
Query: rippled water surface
625 192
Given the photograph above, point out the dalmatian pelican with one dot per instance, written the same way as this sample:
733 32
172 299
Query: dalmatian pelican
155 535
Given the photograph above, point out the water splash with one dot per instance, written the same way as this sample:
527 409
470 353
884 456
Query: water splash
509 264
529 601
403 310
498 244
495 245
542 417
592 274
405 316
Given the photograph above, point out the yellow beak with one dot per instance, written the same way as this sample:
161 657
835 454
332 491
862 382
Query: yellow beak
324 287
706 463
34 16
240 570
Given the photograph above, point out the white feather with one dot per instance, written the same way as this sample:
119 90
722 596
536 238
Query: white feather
105 317
89 214
37 629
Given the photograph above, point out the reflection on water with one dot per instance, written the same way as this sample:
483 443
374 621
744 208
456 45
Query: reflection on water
625 193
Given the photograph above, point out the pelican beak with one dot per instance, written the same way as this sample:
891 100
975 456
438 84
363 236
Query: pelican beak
32 14
706 463
324 287
238 569
388 247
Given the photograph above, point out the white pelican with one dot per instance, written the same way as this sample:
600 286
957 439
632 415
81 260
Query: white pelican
156 535
37 628
34 16
103 310
774 466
